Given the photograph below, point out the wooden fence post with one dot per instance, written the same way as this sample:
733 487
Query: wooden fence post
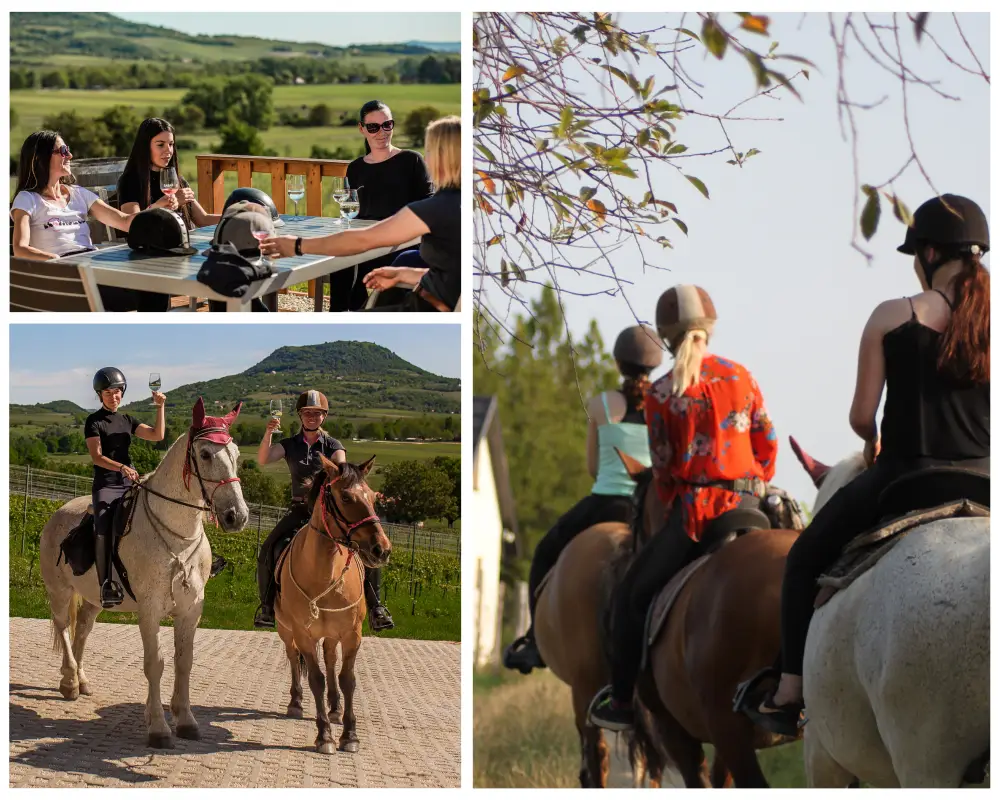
27 488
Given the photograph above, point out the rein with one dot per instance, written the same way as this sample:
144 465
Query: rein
340 518
191 466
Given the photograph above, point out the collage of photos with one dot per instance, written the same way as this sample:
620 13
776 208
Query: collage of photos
713 380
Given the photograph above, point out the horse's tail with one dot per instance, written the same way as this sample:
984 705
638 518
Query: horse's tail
303 669
74 605
645 752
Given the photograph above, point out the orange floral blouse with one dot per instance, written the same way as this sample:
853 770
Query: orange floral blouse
717 430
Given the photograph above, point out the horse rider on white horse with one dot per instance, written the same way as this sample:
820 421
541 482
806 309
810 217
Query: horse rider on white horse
301 453
932 353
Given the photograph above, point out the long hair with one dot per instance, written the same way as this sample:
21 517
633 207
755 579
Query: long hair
635 384
443 148
139 163
687 361
370 108
33 165
965 347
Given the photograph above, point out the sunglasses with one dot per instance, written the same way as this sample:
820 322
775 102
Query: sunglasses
63 151
372 127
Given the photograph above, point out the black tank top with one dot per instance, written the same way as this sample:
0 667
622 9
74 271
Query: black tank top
927 414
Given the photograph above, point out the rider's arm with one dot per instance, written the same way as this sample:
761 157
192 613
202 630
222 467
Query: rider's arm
871 367
144 431
94 446
268 453
763 437
339 457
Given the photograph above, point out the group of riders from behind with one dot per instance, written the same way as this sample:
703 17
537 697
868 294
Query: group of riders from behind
704 430
108 433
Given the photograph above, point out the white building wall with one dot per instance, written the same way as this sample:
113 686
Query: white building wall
486 542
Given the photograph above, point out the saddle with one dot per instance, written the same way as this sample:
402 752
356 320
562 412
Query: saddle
720 531
79 548
282 555
912 500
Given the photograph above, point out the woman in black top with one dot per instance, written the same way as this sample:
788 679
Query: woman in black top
932 353
386 179
436 219
108 435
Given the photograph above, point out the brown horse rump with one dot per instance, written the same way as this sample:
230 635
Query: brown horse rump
659 609
864 551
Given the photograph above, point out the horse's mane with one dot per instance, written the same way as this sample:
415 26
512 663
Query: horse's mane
350 476
841 474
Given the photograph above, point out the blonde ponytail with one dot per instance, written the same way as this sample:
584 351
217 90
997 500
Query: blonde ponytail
687 361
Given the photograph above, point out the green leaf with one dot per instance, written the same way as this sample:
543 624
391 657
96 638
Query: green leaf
647 87
504 273
647 199
681 225
482 148
871 213
759 70
580 33
676 149
698 184
692 34
714 37
587 192
642 139
622 169
541 144
565 120
482 94
901 212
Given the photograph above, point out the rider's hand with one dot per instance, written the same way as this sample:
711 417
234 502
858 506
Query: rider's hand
168 201
129 473
872 449
273 425
383 278
185 195
159 398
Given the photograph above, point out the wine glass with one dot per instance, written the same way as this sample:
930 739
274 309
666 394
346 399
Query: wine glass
154 382
341 190
169 183
350 206
260 229
296 188
276 411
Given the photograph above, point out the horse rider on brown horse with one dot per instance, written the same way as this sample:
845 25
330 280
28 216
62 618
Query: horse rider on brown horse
301 454
616 421
713 450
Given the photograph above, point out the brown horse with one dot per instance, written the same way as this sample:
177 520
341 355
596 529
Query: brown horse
723 628
322 597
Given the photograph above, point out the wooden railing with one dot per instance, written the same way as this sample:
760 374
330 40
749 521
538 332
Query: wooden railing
212 169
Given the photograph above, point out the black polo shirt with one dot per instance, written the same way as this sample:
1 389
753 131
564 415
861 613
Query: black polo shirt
115 432
303 460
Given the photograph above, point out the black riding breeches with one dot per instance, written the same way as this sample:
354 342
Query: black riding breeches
591 510
297 516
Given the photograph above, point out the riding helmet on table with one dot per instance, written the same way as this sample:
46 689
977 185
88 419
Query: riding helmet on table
252 195
639 345
110 378
952 224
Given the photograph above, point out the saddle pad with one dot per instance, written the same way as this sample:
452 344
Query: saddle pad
864 551
659 609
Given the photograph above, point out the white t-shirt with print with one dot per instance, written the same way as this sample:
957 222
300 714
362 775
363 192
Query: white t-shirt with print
56 228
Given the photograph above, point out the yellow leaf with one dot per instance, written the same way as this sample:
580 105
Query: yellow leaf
494 240
600 212
756 24
488 183
484 204
513 72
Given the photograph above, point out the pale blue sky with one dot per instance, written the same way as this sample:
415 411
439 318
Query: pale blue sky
58 362
772 246
334 28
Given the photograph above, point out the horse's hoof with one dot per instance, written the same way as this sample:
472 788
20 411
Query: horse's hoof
70 692
189 732
325 747
162 741
295 712
85 689
349 746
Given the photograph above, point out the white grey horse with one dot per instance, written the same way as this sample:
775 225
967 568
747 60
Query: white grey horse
167 557
896 675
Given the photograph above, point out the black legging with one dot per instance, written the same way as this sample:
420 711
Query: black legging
593 509
114 298
850 512
666 554
103 499
297 516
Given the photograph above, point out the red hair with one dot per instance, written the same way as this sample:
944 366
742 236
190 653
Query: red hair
965 348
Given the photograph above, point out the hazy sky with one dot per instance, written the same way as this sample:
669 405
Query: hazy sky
58 362
772 245
333 28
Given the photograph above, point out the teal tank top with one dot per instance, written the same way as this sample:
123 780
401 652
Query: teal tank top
629 437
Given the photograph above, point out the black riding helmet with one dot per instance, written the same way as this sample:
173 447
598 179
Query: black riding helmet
951 224
109 378
252 195
639 345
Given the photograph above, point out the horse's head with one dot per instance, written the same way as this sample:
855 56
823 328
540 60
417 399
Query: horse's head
828 480
211 462
649 510
346 506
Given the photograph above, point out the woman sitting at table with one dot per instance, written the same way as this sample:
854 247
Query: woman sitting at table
387 179
50 214
436 219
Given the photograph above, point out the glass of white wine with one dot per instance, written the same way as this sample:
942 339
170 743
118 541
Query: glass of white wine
154 382
341 190
276 411
350 206
295 185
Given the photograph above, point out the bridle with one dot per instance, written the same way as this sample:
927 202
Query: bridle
345 525
191 467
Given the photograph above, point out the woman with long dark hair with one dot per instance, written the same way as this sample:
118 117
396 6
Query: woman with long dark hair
931 353
386 179
616 422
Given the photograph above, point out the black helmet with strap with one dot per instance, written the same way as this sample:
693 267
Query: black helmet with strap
639 345
110 378
312 399
952 225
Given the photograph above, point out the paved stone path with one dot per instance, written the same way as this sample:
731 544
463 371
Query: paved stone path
407 703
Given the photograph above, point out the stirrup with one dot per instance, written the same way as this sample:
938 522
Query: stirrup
386 622
264 617
112 594
218 564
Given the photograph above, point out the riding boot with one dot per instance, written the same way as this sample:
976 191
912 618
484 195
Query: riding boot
111 591
378 615
267 586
